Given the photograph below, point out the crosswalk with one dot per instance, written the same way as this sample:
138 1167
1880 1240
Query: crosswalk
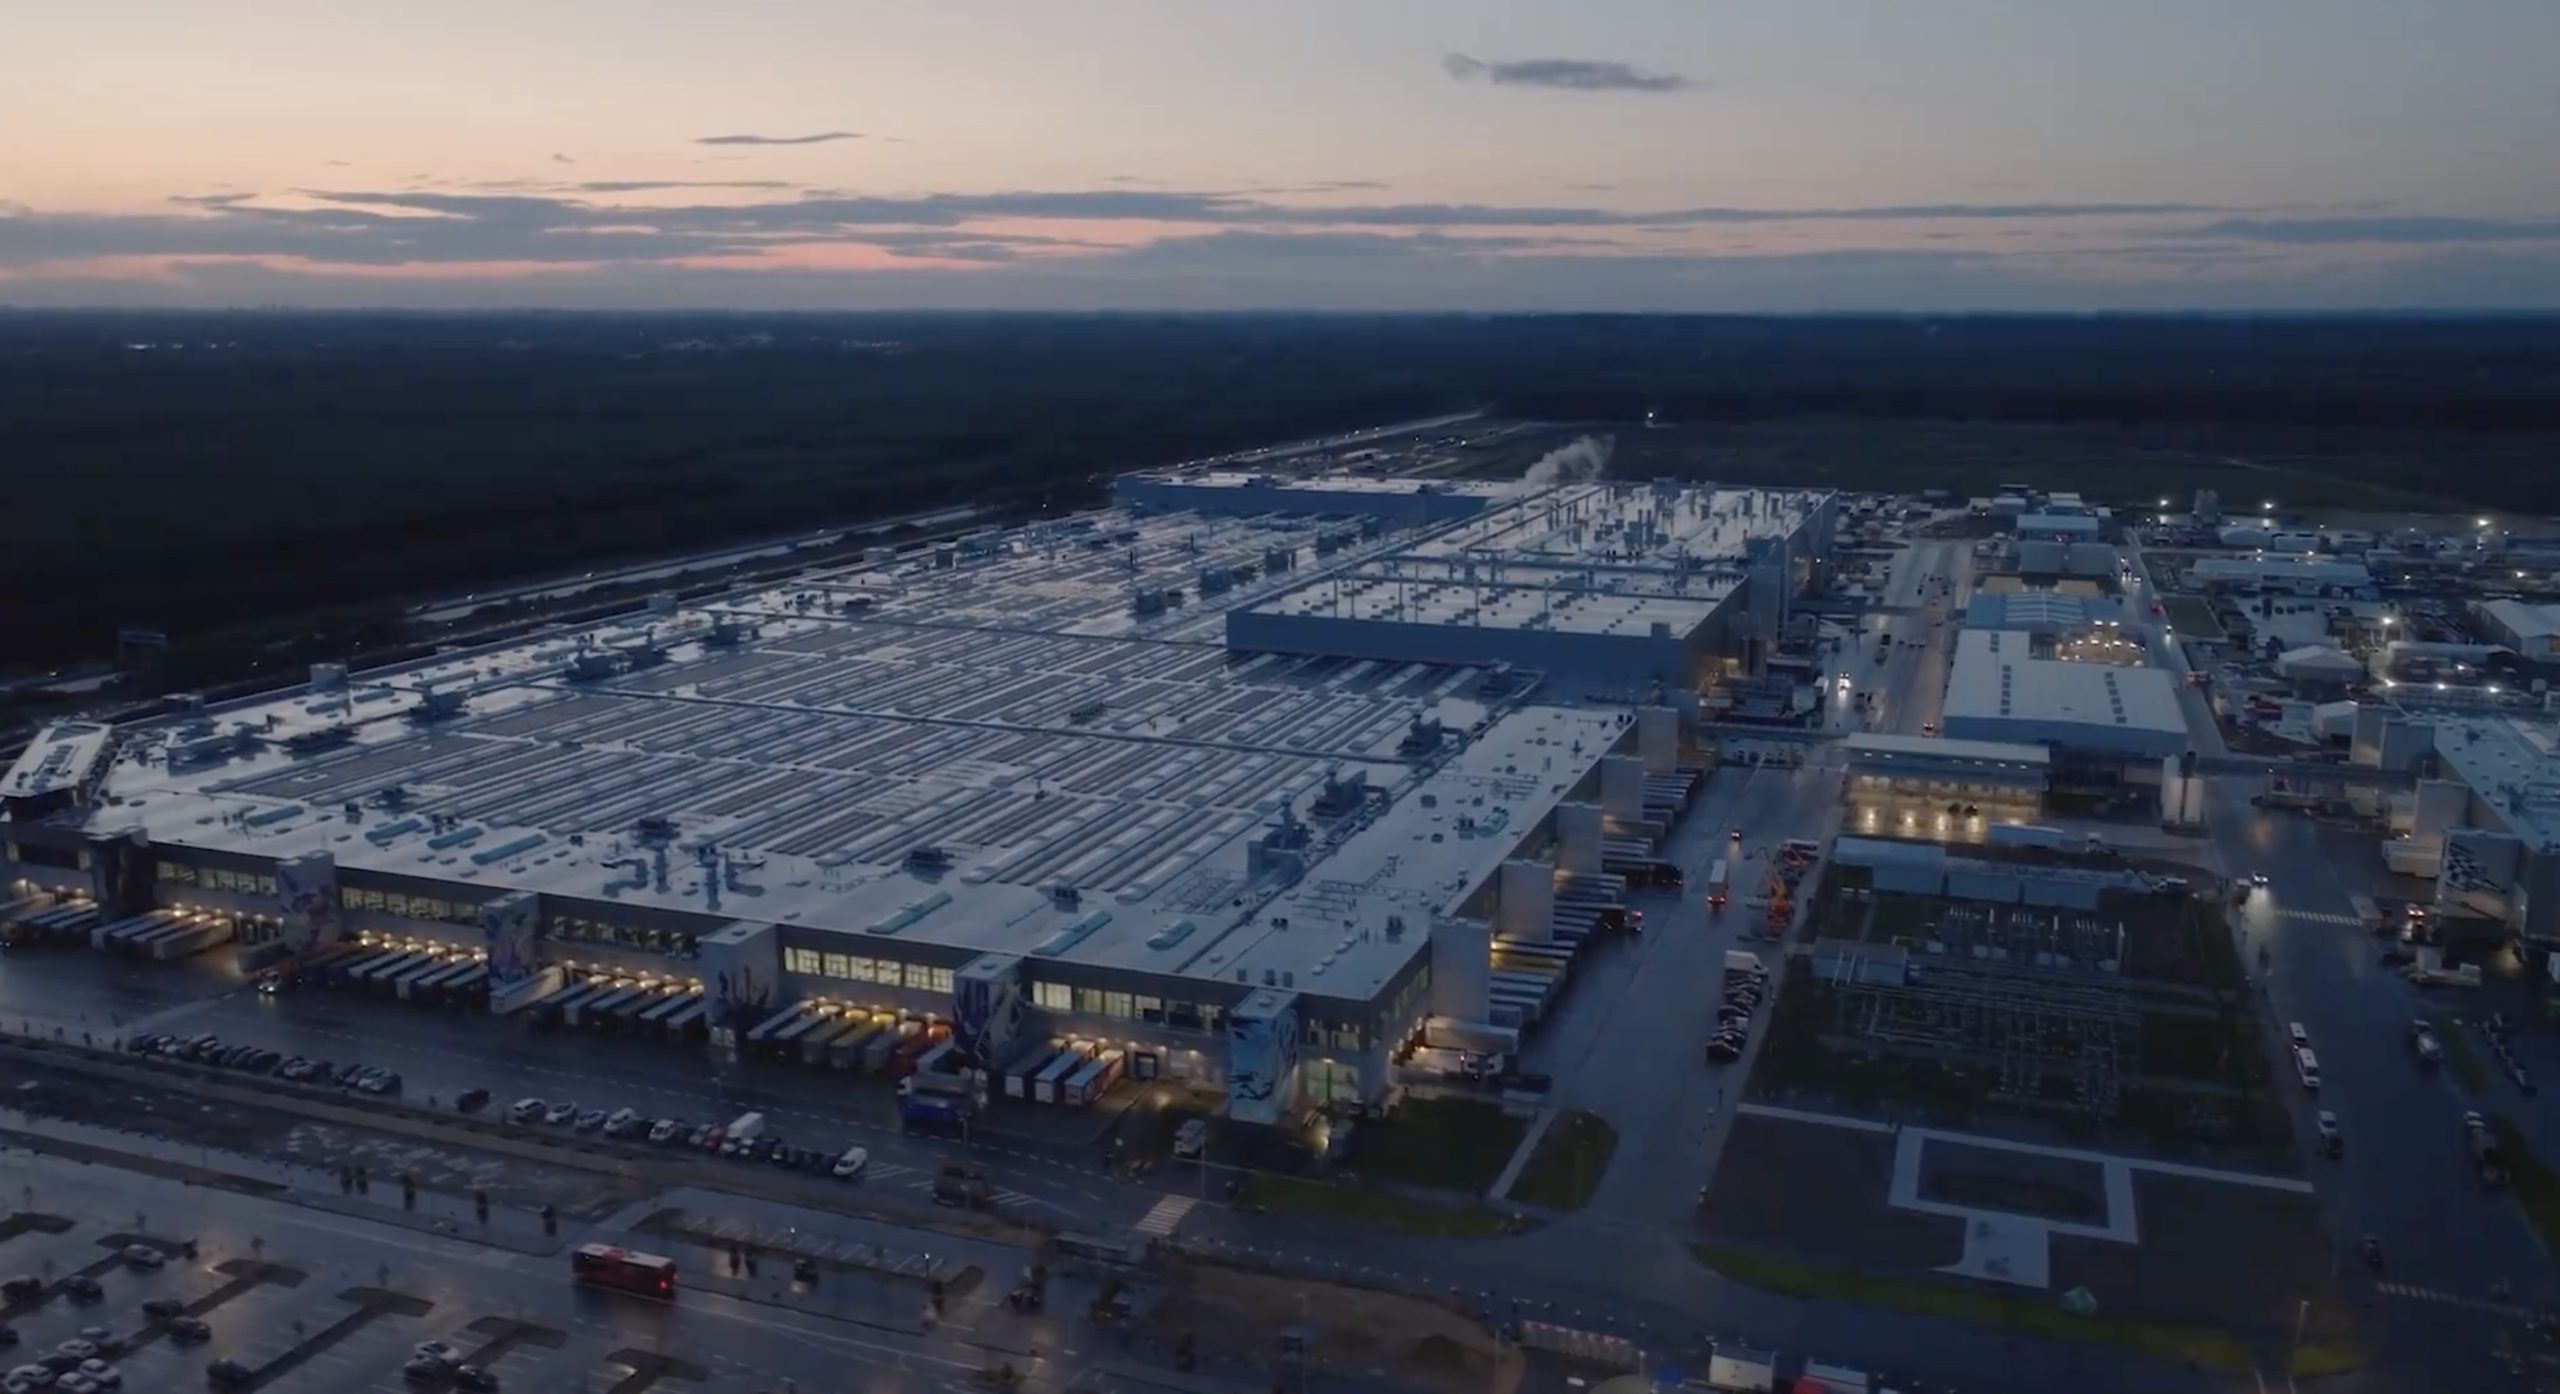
2418 1293
2320 916
1165 1216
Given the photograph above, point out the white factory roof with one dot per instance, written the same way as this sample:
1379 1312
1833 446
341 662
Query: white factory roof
2319 661
2511 764
1340 483
1495 606
2525 621
1006 708
62 756
1994 684
1943 748
2042 611
1635 526
2333 573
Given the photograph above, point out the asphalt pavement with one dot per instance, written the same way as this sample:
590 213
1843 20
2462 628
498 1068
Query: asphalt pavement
440 1053
2406 1179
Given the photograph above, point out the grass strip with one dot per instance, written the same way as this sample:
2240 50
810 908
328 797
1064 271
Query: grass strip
2207 1348
1566 1168
2457 1049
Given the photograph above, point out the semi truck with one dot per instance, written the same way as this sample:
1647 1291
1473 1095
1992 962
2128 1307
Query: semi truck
936 1102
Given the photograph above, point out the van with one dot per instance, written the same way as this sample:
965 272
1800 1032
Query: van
2307 1066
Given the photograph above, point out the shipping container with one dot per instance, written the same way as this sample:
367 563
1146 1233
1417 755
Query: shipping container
1094 1080
1044 1089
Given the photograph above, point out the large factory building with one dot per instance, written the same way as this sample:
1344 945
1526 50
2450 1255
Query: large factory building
1222 782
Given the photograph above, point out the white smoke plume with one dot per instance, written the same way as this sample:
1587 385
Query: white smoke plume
1583 459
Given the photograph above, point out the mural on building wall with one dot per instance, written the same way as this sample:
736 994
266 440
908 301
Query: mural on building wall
987 1008
120 873
511 931
307 886
740 973
1262 1060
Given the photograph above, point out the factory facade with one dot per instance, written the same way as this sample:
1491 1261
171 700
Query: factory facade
1225 779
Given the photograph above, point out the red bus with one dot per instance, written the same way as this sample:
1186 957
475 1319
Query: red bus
650 1275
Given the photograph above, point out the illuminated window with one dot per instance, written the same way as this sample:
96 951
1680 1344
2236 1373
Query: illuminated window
1052 997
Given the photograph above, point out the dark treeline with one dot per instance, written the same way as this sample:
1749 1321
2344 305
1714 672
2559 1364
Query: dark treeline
269 475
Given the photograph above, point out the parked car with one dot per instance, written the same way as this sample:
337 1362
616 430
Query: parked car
80 1287
471 1100
664 1131
2332 1142
144 1256
526 1110
590 1120
560 1113
229 1374
163 1308
1192 1138
851 1164
190 1330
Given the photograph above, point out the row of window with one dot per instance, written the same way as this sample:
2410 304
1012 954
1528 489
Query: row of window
1129 1006
854 968
214 878
415 907
578 929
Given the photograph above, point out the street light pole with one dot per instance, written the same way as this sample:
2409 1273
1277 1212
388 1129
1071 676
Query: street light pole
2293 1353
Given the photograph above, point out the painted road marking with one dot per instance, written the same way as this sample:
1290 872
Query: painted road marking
2416 1293
1165 1216
2319 916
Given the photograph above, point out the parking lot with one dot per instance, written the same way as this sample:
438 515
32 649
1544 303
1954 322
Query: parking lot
309 1304
437 1059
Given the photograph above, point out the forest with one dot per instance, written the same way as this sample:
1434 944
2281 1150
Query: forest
255 479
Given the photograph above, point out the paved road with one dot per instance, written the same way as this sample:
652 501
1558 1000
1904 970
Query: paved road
739 1345
440 1053
2406 1177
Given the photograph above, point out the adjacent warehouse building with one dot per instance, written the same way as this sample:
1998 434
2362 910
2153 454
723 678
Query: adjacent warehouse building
1037 785
2300 575
1601 587
1998 691
2533 631
2050 614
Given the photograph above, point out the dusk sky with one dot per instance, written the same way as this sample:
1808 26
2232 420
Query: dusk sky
1752 155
